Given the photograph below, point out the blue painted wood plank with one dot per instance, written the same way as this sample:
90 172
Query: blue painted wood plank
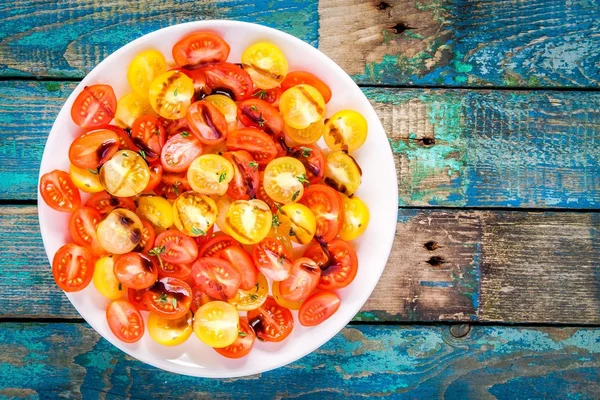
52 360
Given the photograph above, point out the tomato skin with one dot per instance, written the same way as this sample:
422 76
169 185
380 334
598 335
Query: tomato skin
179 152
174 126
104 203
125 321
172 185
200 240
229 78
72 267
303 77
213 246
338 262
313 160
272 259
242 261
149 136
170 270
136 270
271 322
94 106
94 148
148 236
179 248
136 297
261 194
125 142
199 298
199 79
242 345
156 173
82 227
271 96
59 192
207 123
326 204
170 298
260 145
260 114
217 278
317 308
200 48
303 280
245 182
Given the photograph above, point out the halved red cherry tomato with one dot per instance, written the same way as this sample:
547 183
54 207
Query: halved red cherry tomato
179 152
94 106
260 145
125 321
125 142
172 184
271 96
104 203
174 126
260 114
338 262
317 308
72 267
207 123
148 134
299 77
179 248
242 261
136 297
169 298
147 241
271 322
136 270
199 298
200 48
229 78
242 345
213 246
244 184
156 173
199 79
303 280
218 278
272 259
313 160
326 204
92 149
179 271
59 191
82 226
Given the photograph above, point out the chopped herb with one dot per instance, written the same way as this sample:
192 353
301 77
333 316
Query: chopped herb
222 176
174 302
185 134
261 120
142 153
261 94
162 298
176 188
242 334
253 165
157 132
120 286
253 108
172 163
93 171
253 297
302 179
306 151
157 251
175 93
281 259
124 154
296 194
198 232
292 233
276 221
256 286
279 207
87 185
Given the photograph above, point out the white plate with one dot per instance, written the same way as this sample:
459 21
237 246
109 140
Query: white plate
378 190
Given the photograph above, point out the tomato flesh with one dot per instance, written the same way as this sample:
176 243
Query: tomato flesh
178 248
94 106
213 246
244 184
242 345
338 262
59 192
136 270
229 78
148 135
200 48
169 298
271 322
72 267
125 321
326 204
217 278
318 308
272 259
92 149
260 145
82 226
260 114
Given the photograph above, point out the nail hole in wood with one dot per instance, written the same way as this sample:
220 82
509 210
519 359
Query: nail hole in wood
400 27
427 141
383 6
435 261
460 330
431 245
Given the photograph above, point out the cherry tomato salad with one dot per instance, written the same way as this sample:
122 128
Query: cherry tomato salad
206 142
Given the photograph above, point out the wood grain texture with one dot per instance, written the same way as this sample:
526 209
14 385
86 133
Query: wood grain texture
456 148
537 43
361 361
445 266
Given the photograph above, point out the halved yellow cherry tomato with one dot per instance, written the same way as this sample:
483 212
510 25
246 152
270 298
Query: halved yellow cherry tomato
301 106
345 130
291 305
194 213
222 206
130 107
120 231
356 218
216 324
248 221
281 231
156 210
284 179
266 64
342 173
170 94
227 107
105 280
170 332
303 222
142 70
86 180
210 174
308 135
125 174
246 300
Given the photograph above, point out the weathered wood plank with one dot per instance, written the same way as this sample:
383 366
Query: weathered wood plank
537 43
402 362
445 265
453 147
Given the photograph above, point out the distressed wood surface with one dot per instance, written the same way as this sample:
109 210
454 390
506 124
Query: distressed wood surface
538 43
71 360
455 148
508 266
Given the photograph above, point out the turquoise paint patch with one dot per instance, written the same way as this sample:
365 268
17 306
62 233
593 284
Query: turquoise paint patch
440 284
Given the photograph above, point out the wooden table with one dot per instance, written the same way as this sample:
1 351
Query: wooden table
492 108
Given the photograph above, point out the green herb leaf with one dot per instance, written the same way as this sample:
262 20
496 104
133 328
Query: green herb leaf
253 108
242 334
222 176
276 221
253 165
176 188
261 120
281 259
198 232
124 155
185 134
157 251
279 207
93 171
253 297
306 152
174 302
302 179
163 297
292 233
261 94
157 132
175 93
142 153
295 196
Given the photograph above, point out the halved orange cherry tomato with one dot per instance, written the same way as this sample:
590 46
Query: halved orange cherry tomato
229 78
86 180
251 299
248 221
260 114
178 248
313 160
303 224
295 78
318 307
94 106
260 145
242 345
156 173
125 321
59 192
136 270
206 122
309 135
217 324
301 106
169 298
72 267
179 152
242 261
356 218
130 107
327 207
266 64
345 130
200 48
303 280
170 332
82 226
213 246
136 297
171 94
125 142
284 180
210 175
92 149
148 135
272 259
338 262
217 278
104 203
271 322
244 184
271 96
290 305
172 184
148 236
